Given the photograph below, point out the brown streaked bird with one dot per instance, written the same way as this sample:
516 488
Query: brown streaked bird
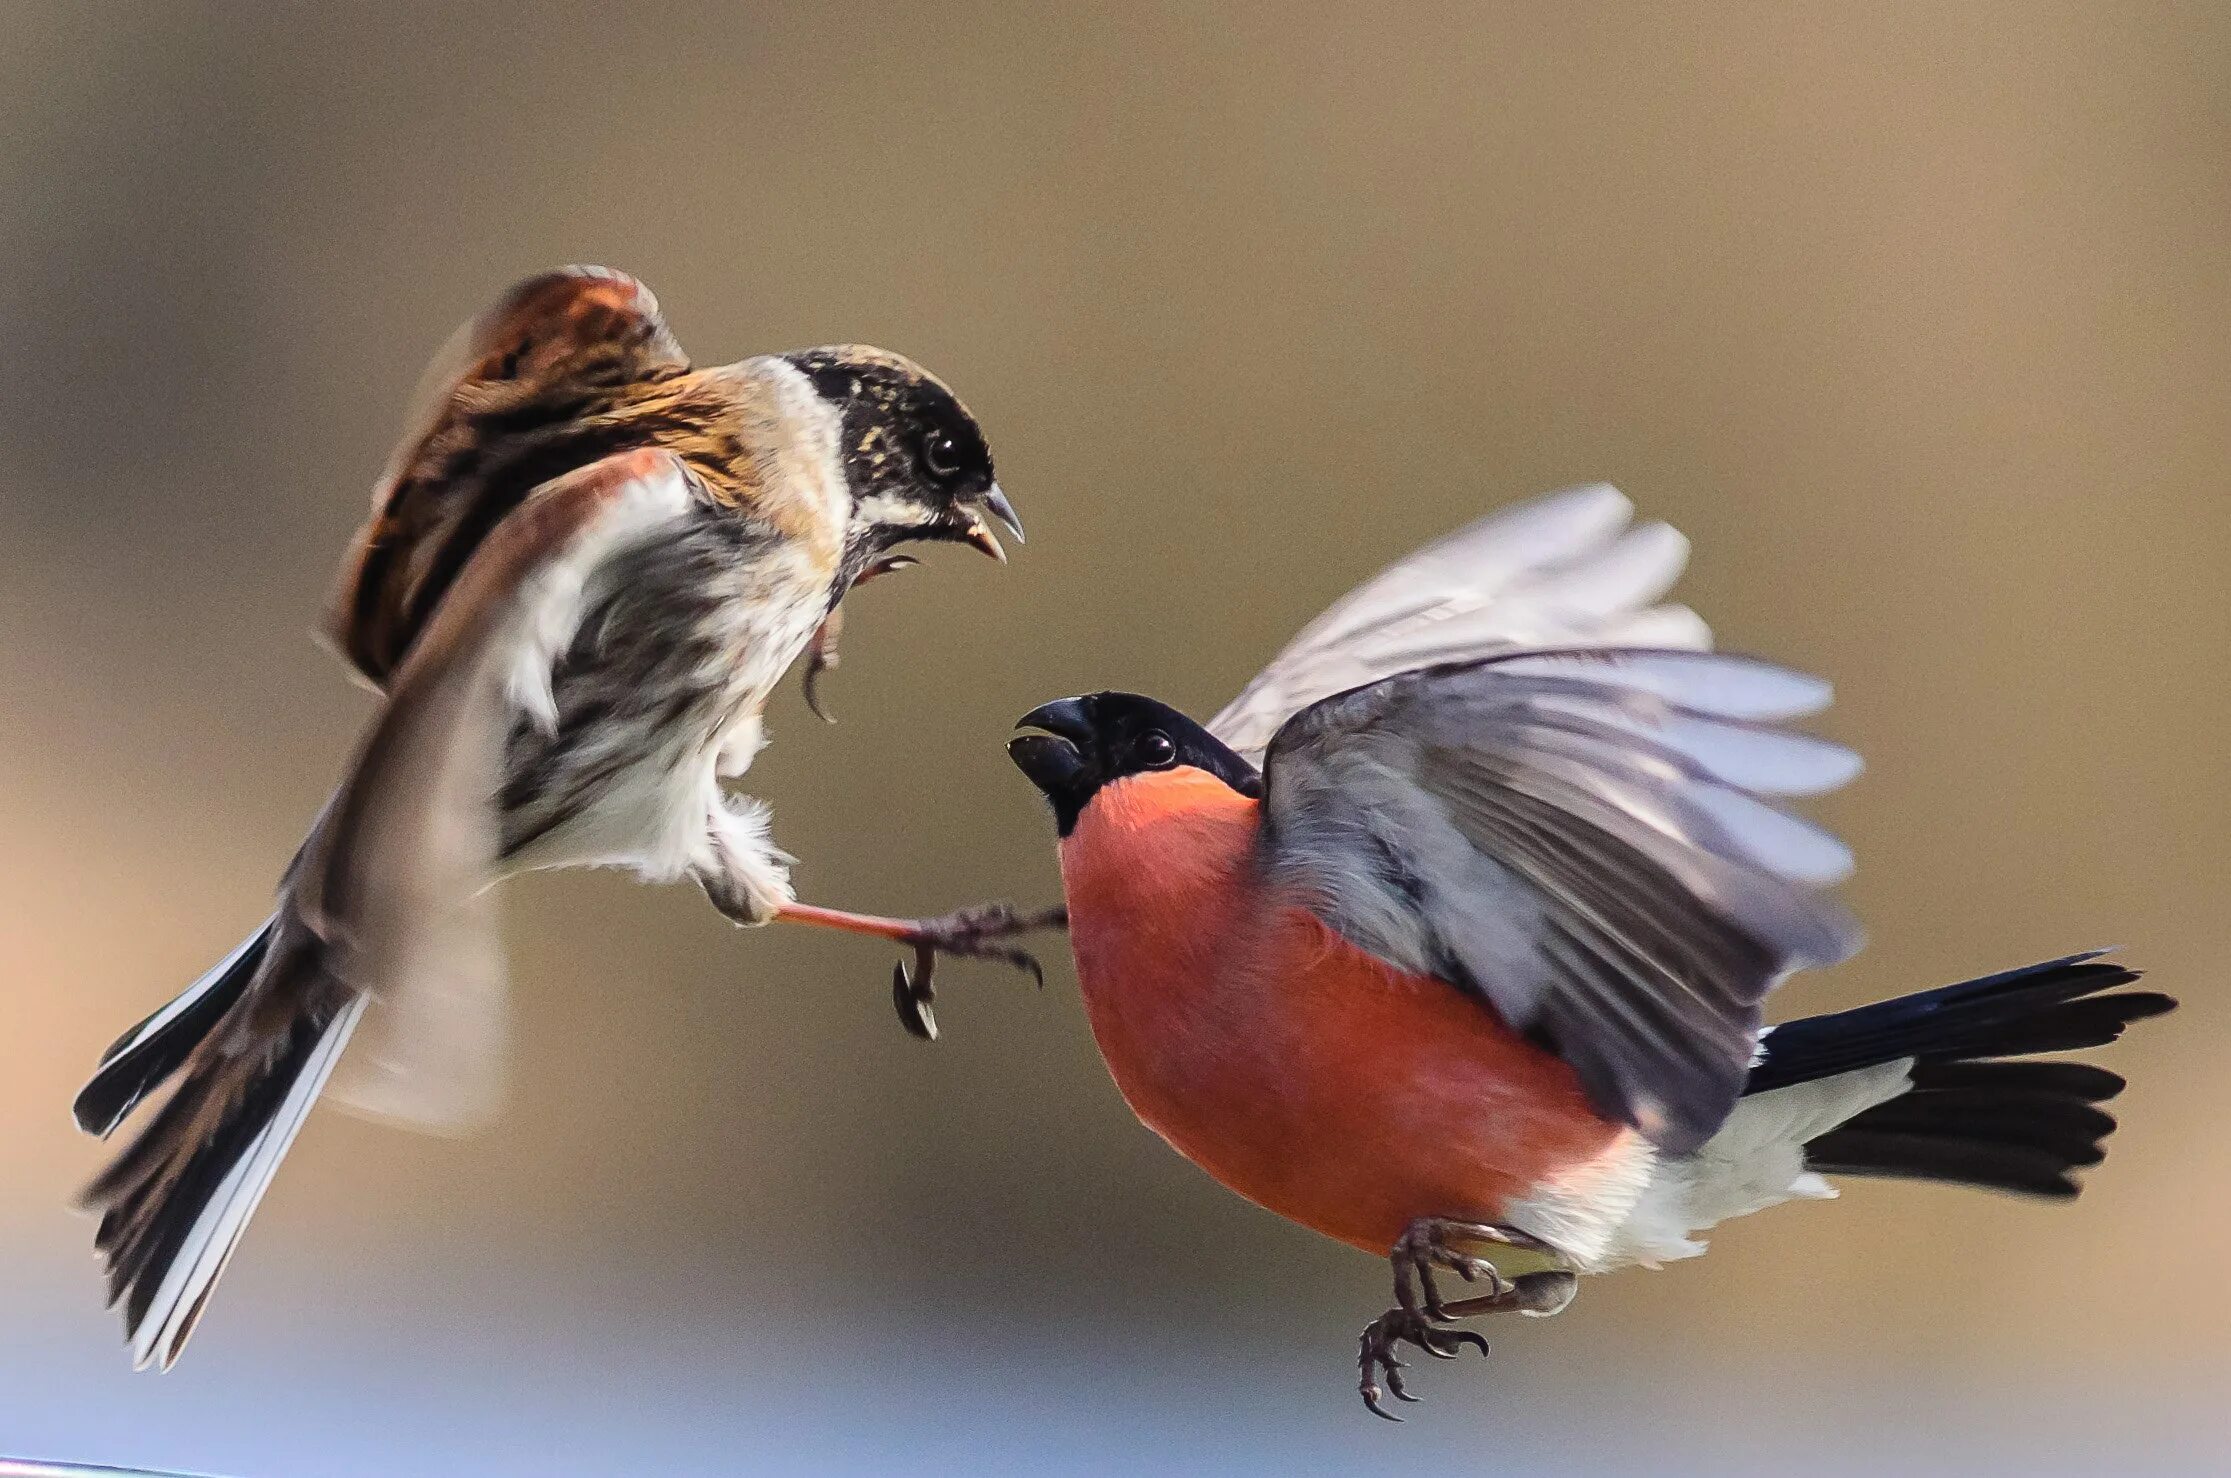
587 566
1450 938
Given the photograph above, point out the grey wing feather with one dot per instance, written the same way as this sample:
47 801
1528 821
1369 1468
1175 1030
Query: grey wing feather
393 878
1579 839
1561 571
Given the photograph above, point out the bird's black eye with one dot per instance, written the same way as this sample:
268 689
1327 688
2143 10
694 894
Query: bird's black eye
1155 751
941 455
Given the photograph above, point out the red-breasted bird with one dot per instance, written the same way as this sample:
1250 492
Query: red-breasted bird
587 566
1449 937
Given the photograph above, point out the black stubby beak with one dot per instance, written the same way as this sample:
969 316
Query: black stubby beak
1071 718
1056 760
1053 765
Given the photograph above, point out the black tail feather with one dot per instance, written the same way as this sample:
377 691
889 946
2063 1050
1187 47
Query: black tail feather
2053 1007
1968 1118
1954 1159
142 1059
166 1179
176 1198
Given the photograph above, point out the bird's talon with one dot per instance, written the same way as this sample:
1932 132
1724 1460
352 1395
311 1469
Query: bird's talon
1420 1317
1459 1338
912 993
1379 1361
978 932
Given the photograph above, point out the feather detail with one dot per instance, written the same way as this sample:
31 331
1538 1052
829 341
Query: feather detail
1579 839
1564 570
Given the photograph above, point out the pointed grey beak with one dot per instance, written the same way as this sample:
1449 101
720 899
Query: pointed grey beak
979 535
996 504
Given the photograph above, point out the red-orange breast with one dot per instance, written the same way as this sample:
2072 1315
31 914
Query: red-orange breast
1298 1070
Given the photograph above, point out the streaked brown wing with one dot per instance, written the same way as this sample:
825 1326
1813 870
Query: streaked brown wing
555 348
1578 840
392 878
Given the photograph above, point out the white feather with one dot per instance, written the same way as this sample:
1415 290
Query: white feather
1757 1160
431 1048
1634 570
1673 627
1706 682
186 998
1555 572
562 591
1466 569
1786 846
216 1232
1761 760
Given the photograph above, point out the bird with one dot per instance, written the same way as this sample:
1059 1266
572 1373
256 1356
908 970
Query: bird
1449 938
587 566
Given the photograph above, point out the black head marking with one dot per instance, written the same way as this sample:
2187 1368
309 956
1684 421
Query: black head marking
905 434
1102 737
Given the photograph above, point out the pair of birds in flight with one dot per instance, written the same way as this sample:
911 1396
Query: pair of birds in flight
1447 938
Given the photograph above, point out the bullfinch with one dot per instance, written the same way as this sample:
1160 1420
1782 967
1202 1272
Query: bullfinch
1449 937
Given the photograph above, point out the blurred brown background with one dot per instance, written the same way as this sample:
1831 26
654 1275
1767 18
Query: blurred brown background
1913 316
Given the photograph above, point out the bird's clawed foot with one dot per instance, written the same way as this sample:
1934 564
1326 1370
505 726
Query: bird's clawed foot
978 932
1421 1315
1429 1243
1398 1327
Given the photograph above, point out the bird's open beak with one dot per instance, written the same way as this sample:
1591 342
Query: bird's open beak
979 534
1054 760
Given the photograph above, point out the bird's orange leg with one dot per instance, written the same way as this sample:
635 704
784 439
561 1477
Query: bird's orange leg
1420 1315
980 932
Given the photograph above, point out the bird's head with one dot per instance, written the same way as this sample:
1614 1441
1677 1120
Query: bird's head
913 458
1093 741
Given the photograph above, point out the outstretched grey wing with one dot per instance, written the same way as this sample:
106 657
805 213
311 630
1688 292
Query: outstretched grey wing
1577 839
1565 570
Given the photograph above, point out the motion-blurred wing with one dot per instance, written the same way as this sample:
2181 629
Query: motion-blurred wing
550 349
1561 571
393 878
1578 839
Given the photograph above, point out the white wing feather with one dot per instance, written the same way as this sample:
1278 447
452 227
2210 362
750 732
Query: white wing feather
430 1051
1561 571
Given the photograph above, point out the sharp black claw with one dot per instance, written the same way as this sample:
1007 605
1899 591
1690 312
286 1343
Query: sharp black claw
911 995
813 696
821 655
1405 1324
973 933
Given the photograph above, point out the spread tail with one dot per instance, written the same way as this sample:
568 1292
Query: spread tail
383 903
1966 1114
175 1201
